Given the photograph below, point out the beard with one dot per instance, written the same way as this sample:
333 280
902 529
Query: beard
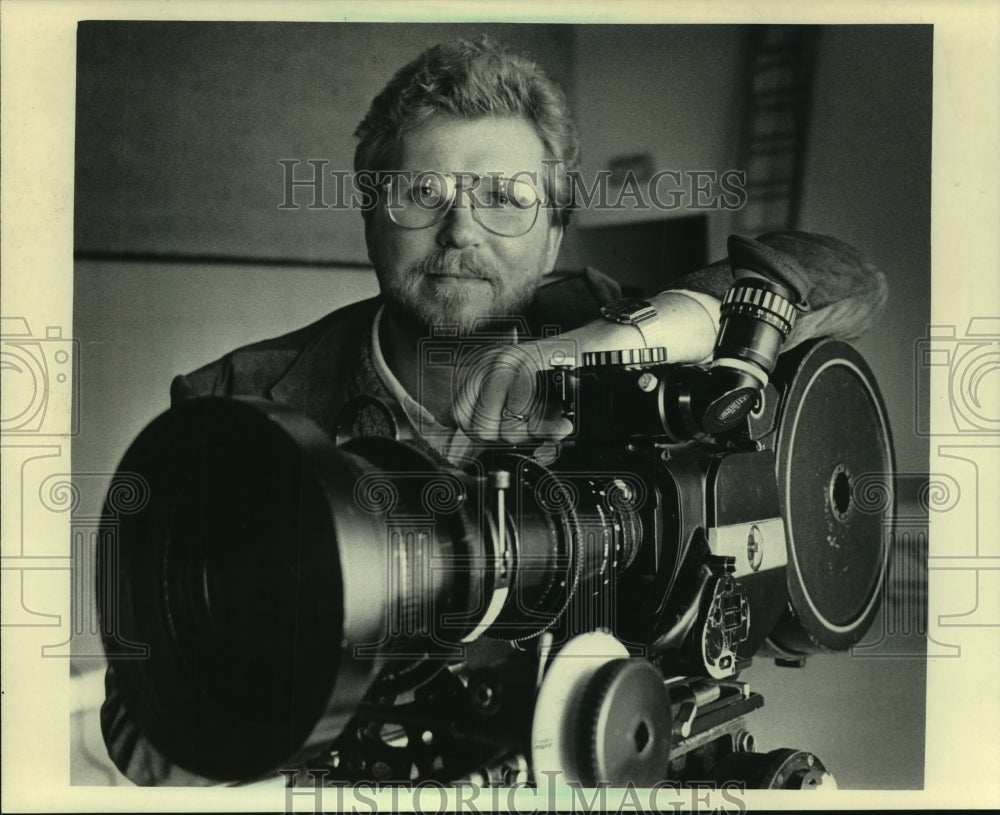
456 289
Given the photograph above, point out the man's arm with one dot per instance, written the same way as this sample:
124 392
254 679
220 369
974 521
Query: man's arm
846 295
847 292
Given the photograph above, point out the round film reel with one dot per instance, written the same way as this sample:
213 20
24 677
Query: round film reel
833 436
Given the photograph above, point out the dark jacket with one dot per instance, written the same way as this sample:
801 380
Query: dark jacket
317 369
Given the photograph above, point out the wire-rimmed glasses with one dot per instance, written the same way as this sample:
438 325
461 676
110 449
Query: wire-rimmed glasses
503 206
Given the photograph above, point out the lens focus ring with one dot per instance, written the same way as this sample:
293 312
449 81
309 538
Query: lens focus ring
761 302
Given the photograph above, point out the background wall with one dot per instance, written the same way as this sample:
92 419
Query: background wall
183 253
868 182
670 91
182 127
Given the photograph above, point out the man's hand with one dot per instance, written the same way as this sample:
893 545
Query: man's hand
510 393
503 394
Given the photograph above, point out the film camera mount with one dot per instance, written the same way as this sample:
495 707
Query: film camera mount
362 609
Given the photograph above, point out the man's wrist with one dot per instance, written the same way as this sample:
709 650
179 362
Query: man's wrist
603 335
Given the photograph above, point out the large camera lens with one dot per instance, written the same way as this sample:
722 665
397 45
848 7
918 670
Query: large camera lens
236 576
275 576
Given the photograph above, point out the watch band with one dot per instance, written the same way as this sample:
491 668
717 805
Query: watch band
642 315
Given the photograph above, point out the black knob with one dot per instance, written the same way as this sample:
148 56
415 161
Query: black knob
624 725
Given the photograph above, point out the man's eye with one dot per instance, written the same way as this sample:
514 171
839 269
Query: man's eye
428 194
521 195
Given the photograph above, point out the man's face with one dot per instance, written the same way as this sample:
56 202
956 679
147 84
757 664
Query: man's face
456 271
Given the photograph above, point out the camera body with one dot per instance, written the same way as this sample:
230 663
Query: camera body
403 620
355 607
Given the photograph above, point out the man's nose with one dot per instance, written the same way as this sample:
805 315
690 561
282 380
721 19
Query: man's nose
459 227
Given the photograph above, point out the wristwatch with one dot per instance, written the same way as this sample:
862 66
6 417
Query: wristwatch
639 313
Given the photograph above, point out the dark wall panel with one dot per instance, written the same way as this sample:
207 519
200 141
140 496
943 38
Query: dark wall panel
180 128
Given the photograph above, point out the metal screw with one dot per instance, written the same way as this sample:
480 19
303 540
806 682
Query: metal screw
483 695
755 547
647 382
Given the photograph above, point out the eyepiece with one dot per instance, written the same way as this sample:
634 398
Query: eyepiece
757 316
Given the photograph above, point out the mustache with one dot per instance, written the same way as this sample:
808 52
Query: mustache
456 263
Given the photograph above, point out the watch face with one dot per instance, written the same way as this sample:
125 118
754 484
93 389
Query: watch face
629 311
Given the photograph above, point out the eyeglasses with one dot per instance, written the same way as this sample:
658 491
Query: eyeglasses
503 206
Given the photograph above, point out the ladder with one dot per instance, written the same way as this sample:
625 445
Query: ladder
777 96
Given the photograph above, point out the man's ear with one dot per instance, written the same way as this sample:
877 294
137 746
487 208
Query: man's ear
555 236
369 235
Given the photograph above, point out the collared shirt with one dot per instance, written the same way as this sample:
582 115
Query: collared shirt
450 442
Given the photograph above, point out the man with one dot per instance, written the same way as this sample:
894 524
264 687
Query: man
471 147
489 115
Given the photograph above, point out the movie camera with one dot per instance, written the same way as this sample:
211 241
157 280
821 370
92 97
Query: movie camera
361 609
